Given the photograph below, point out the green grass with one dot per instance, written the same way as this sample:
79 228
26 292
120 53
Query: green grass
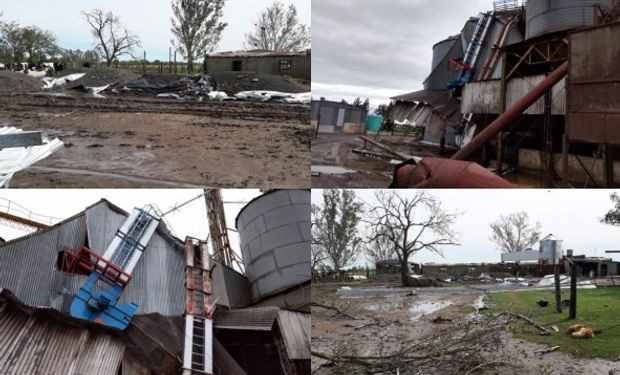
599 308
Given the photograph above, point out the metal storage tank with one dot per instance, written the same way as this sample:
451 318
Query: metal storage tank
275 241
441 50
548 16
551 249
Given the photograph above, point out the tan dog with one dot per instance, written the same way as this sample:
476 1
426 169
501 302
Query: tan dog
580 331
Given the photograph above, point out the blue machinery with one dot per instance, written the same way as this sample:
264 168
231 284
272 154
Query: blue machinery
109 274
465 68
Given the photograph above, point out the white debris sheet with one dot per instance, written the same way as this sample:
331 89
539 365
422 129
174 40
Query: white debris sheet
53 82
13 160
275 96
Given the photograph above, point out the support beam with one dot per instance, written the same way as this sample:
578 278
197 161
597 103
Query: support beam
548 141
572 315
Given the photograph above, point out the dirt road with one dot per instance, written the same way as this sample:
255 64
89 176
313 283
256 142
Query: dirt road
146 142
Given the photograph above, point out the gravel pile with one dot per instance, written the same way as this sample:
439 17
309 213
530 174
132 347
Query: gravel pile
96 77
18 83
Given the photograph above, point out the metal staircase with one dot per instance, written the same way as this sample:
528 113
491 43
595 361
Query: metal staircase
199 309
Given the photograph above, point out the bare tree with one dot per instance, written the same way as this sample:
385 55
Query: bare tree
278 29
197 28
336 230
513 232
411 222
612 217
111 38
380 248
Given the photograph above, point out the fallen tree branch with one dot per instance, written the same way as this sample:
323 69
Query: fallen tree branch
544 331
545 351
336 309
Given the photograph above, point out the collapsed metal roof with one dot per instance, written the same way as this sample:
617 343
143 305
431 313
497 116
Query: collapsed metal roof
38 343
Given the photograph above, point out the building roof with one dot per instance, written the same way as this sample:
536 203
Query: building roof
35 341
259 53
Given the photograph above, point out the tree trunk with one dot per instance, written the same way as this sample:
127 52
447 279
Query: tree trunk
190 64
404 273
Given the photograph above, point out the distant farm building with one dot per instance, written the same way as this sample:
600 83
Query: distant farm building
294 64
337 117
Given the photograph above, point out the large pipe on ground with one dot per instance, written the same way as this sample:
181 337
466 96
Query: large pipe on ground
506 119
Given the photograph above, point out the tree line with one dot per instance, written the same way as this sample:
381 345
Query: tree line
196 25
402 223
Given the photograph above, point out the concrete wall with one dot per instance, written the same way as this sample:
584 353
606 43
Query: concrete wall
521 256
300 64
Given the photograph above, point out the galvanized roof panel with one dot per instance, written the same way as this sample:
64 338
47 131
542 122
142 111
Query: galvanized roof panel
36 344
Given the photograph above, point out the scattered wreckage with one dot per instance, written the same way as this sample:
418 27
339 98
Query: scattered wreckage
20 149
200 87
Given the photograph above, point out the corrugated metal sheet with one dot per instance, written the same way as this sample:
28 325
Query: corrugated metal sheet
483 96
295 299
295 328
521 256
253 319
230 288
275 241
28 265
548 16
40 345
594 82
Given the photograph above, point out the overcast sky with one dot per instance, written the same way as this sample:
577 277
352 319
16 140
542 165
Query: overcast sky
379 49
189 220
571 215
149 19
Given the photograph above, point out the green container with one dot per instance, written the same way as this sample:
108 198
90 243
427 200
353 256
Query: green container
373 123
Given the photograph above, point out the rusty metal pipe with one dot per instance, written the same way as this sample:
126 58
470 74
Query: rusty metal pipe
507 118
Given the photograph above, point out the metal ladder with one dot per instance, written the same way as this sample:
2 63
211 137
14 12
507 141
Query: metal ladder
131 240
199 306
477 39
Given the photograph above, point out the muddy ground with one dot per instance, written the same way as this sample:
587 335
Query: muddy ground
412 315
362 171
146 142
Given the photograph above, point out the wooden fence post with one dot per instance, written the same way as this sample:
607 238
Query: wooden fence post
573 292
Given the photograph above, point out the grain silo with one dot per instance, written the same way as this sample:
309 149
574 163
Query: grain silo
274 230
550 16
551 249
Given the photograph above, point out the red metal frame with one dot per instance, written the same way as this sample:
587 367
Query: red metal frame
87 261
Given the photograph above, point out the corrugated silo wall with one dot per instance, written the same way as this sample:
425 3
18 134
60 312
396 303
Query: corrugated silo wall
549 16
275 241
